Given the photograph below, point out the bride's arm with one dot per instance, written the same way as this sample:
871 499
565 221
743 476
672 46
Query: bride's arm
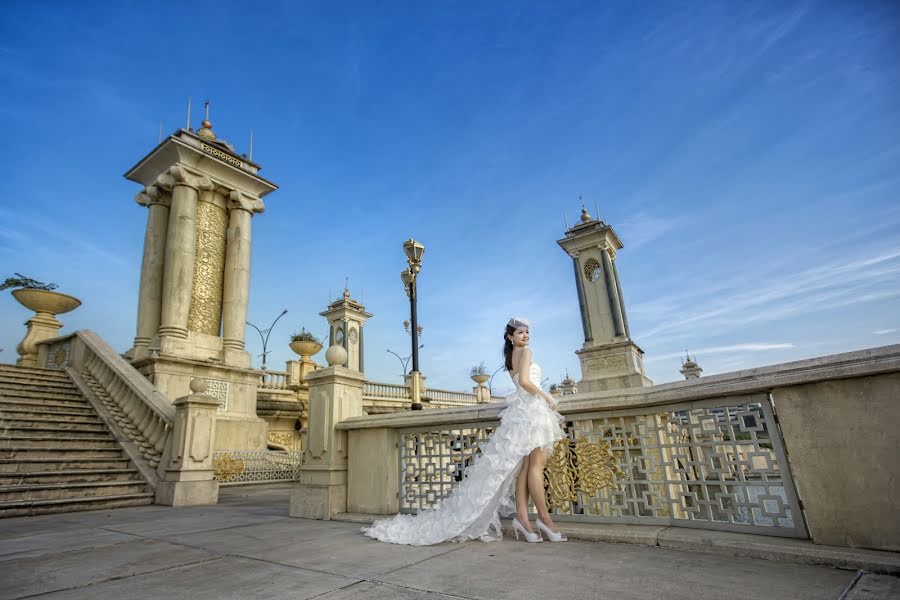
525 378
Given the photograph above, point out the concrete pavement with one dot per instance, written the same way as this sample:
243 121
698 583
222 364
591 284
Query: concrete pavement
247 547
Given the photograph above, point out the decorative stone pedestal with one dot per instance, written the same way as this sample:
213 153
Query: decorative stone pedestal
234 388
43 325
335 394
186 470
611 367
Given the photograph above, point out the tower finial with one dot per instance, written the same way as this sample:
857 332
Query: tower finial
206 130
585 216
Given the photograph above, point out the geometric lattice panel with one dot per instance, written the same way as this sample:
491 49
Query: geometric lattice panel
218 389
431 462
706 464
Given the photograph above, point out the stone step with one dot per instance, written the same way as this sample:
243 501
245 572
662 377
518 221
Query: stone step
69 442
62 491
12 382
33 372
23 369
41 507
29 412
52 431
34 464
69 476
70 407
53 451
41 395
76 424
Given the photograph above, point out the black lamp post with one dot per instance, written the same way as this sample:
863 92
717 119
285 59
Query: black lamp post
414 252
264 336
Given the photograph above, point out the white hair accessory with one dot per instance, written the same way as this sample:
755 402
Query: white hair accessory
517 322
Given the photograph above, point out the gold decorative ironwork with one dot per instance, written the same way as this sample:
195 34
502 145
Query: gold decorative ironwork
596 466
579 466
220 154
592 270
560 474
282 439
205 315
226 468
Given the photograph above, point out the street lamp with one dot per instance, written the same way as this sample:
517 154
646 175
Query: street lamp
264 336
414 252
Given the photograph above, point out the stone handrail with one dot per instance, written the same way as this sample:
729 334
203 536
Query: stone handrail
803 447
885 359
274 380
141 411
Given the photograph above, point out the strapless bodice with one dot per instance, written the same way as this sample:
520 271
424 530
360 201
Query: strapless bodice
534 374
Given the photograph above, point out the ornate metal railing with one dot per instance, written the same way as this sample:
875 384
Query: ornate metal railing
234 467
715 464
274 380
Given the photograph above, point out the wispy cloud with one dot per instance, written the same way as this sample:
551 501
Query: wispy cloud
885 331
772 296
730 349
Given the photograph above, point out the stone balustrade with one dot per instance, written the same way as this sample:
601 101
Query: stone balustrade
804 449
170 443
274 380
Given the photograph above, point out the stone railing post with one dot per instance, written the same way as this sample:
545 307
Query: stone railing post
373 477
186 471
335 394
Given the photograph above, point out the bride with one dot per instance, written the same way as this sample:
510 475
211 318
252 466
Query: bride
513 457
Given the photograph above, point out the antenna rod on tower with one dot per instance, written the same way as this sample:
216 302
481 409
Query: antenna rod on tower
565 219
159 141
596 208
251 144
189 114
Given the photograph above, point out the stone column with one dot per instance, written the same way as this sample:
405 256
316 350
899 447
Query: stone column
236 293
150 295
186 470
335 394
181 242
611 291
582 302
621 298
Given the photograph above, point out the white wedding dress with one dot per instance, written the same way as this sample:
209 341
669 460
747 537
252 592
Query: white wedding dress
473 508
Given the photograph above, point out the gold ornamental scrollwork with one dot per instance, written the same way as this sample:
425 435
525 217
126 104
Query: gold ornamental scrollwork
209 269
226 468
579 466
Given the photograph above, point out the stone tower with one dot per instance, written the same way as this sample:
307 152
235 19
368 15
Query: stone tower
689 367
609 358
192 308
346 318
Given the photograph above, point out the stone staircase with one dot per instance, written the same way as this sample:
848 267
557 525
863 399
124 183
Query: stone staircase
56 454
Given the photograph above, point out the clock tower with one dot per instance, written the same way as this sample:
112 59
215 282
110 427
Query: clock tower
346 318
609 358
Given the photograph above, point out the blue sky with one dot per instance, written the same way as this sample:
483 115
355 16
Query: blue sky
746 153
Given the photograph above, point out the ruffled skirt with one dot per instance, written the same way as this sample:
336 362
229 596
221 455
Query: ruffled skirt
473 508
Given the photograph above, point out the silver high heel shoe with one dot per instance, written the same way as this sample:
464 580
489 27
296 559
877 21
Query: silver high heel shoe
532 537
553 536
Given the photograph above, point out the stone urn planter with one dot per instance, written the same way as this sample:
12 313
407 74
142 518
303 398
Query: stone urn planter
46 301
480 379
306 349
43 325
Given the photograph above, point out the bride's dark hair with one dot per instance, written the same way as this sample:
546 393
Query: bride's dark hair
508 347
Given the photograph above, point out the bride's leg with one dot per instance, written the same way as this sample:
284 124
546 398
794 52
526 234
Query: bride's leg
537 461
522 494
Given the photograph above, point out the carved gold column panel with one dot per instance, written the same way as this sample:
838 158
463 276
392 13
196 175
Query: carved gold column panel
209 265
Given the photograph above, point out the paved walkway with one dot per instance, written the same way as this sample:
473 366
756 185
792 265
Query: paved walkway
247 547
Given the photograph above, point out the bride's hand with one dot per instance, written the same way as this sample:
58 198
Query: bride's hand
551 402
